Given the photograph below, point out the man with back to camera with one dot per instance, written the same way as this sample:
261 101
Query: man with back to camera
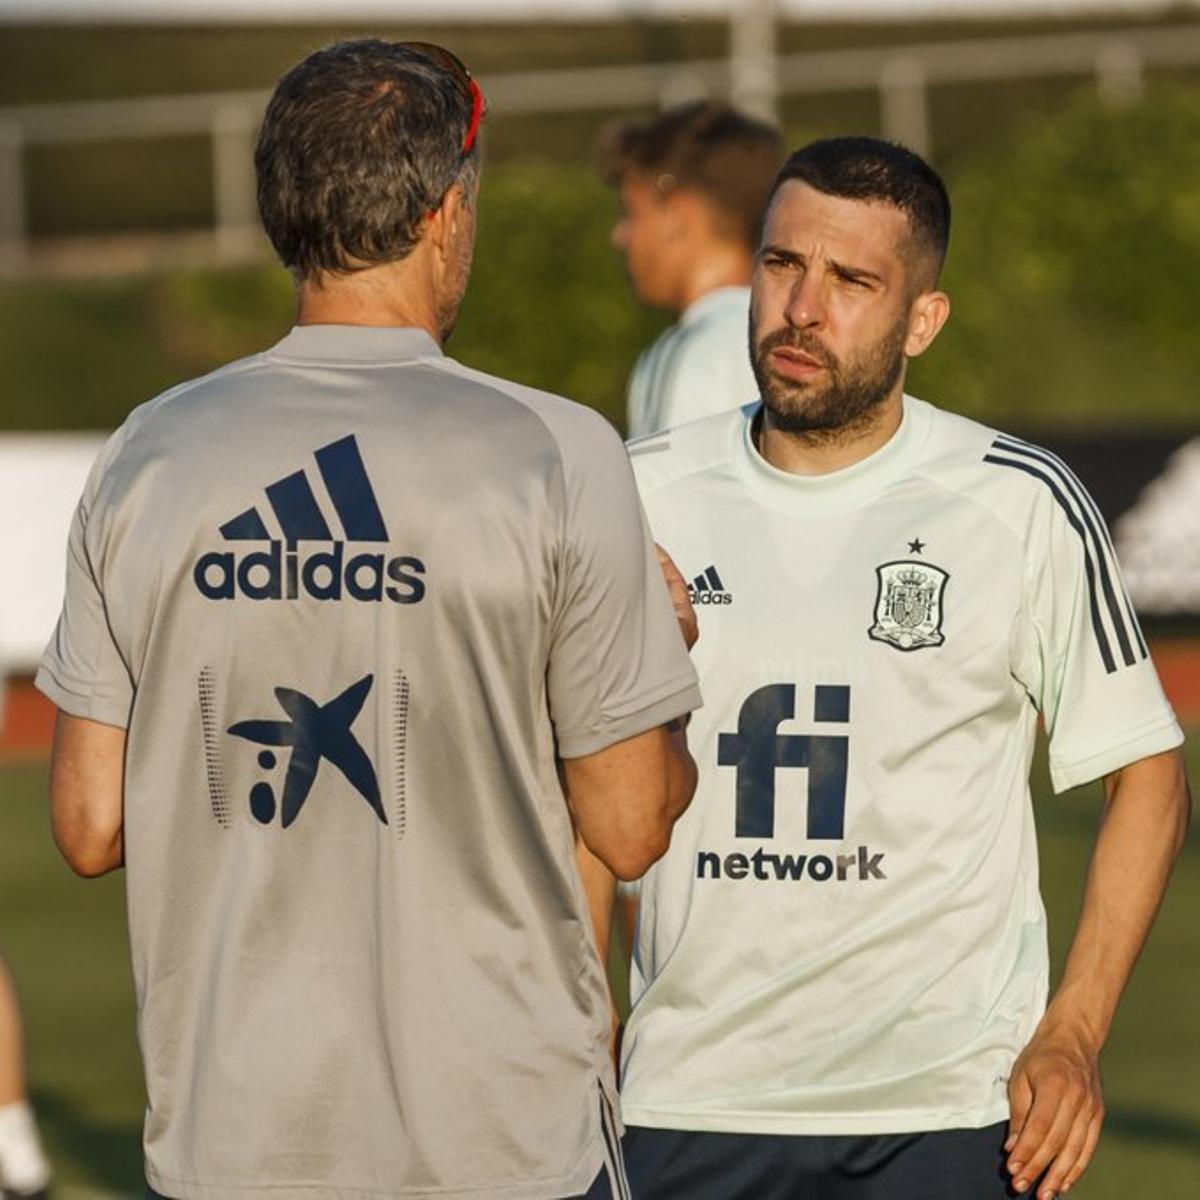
841 970
334 613
693 183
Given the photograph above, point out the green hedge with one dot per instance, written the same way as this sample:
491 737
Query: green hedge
1073 271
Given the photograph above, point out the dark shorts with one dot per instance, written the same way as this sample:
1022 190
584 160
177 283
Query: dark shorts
952 1164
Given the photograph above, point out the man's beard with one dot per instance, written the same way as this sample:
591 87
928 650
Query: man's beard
448 305
842 404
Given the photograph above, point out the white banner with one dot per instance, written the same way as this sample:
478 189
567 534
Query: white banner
396 12
41 480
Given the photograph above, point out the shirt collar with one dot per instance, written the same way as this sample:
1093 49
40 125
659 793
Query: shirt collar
355 343
835 489
712 301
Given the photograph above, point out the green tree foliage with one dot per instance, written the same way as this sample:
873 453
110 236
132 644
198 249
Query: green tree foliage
549 305
1074 270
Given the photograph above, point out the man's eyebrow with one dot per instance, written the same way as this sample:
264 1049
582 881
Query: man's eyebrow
780 252
856 274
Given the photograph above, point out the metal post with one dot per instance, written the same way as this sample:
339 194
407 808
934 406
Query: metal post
754 86
14 242
234 197
904 104
682 87
1120 77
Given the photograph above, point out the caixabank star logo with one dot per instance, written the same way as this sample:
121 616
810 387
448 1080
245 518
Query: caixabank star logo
305 558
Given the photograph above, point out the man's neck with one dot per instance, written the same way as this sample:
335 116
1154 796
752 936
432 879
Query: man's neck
377 296
822 451
722 266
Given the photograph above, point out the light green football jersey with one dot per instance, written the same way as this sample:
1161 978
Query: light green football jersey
352 600
697 367
846 935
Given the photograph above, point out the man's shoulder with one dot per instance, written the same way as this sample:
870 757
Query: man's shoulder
687 451
568 422
162 412
1020 481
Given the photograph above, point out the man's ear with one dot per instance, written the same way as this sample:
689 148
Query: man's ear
684 212
446 219
927 313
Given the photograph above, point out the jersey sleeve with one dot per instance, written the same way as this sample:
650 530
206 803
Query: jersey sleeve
1078 649
618 665
82 670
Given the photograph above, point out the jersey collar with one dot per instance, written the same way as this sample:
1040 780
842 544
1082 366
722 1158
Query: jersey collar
837 489
355 343
714 301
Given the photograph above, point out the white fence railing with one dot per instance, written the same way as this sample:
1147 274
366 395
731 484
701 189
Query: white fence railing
901 75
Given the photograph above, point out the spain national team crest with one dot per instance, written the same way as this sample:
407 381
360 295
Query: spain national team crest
908 605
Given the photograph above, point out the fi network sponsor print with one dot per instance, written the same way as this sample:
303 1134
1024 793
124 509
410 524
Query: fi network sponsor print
287 569
756 751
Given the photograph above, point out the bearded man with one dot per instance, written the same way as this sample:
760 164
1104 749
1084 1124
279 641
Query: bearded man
840 974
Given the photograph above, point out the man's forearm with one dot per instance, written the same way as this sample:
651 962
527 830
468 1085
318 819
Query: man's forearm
681 768
1142 831
1055 1094
600 888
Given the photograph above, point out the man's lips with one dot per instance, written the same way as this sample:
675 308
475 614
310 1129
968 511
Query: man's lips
795 364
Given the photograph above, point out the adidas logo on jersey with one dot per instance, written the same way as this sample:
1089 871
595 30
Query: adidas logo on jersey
707 588
282 572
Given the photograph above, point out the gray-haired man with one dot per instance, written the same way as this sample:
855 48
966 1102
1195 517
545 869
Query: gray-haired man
334 615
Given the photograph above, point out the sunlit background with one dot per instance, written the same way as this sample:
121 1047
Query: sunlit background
1068 132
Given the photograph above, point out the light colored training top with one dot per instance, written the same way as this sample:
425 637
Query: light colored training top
697 367
350 599
846 936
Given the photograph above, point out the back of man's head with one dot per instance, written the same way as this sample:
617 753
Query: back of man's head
723 155
874 171
360 142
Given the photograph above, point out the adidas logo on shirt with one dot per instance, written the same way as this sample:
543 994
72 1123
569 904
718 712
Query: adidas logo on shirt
281 572
707 588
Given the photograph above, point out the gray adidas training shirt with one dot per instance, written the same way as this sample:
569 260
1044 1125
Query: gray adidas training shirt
350 599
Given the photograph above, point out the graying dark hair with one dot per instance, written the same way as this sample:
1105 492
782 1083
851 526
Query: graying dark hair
359 142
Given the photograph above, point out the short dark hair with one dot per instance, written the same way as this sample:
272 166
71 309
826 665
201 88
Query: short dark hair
359 142
870 169
727 156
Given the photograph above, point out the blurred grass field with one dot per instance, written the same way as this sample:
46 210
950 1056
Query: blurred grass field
65 941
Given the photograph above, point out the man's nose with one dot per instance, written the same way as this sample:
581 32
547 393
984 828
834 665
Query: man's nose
806 303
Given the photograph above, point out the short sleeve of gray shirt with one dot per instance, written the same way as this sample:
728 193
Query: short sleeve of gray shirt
82 670
617 663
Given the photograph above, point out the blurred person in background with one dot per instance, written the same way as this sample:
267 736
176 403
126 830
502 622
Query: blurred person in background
24 1171
693 181
841 972
335 617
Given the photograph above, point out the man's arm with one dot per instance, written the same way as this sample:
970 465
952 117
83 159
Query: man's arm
87 778
598 771
1057 1105
626 798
